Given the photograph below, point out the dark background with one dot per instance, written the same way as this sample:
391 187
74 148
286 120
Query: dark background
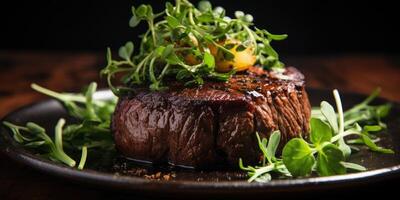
314 27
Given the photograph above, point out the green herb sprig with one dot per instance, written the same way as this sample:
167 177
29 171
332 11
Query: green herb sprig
327 151
270 162
91 130
35 136
181 30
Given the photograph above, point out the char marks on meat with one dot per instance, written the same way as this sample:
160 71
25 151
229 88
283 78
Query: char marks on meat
213 123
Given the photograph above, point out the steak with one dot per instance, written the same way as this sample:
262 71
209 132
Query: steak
213 123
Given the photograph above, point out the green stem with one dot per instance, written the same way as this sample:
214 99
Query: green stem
163 71
354 120
342 135
58 147
261 171
109 80
178 6
58 133
151 70
59 96
340 110
65 97
251 36
361 105
83 158
193 23
11 126
153 33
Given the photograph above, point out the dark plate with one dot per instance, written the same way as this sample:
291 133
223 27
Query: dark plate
114 172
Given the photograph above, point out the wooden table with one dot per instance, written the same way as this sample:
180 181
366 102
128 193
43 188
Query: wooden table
70 71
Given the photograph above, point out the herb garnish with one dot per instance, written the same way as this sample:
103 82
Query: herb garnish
190 45
91 131
326 151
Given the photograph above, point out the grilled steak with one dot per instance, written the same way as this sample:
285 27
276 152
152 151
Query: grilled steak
213 123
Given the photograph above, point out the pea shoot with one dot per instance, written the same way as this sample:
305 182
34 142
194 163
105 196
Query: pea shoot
327 150
91 131
190 44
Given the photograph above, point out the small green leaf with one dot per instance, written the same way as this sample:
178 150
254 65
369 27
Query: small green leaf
353 166
34 128
172 22
35 144
298 157
141 11
248 18
173 59
329 161
344 148
274 36
383 110
277 37
269 50
219 11
239 14
167 51
221 76
329 113
169 7
371 144
209 60
369 128
159 51
134 21
262 144
205 18
126 51
204 6
273 144
320 131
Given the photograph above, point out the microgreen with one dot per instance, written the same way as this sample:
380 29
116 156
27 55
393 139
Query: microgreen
35 136
298 157
327 151
270 162
181 31
91 131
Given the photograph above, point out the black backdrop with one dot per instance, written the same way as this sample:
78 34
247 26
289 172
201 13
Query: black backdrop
314 27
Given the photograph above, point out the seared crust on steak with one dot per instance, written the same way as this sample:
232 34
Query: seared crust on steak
212 123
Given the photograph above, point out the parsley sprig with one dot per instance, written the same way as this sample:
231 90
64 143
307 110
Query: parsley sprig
326 152
179 44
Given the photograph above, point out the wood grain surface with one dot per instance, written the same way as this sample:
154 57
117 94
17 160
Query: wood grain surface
70 71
